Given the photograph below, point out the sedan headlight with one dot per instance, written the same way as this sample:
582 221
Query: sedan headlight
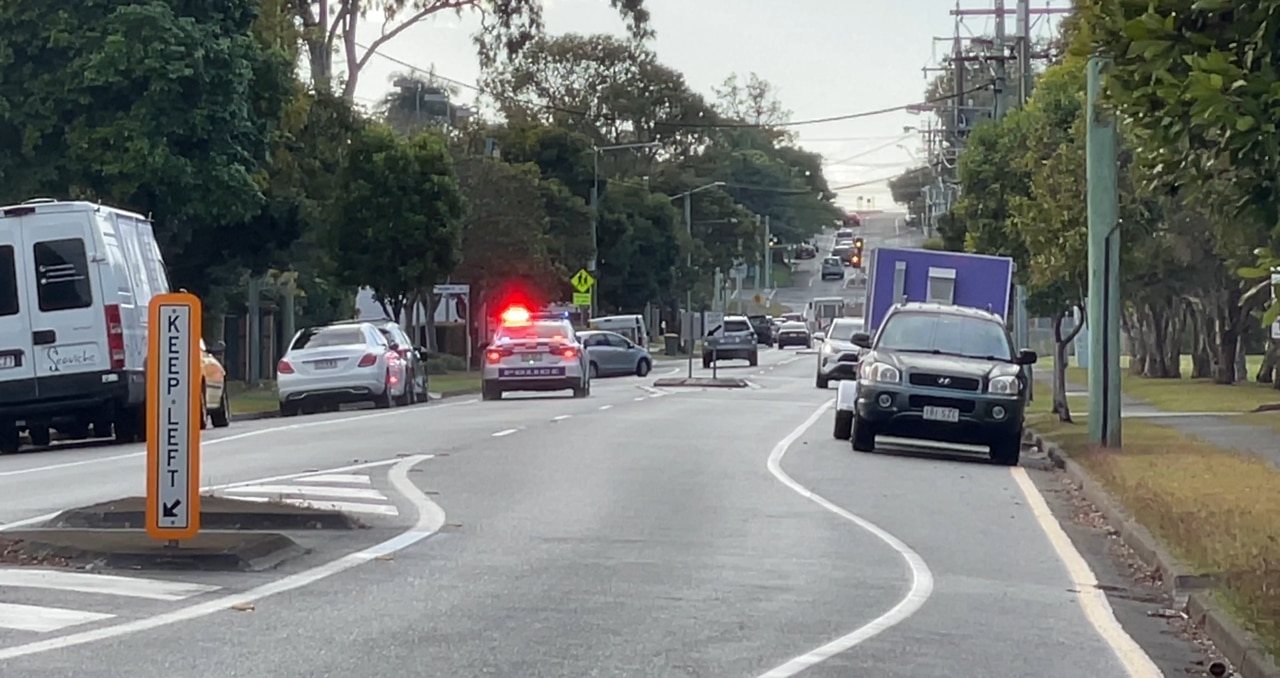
880 373
1004 386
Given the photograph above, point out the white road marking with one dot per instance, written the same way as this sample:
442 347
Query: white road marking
638 399
310 491
505 432
213 488
44 619
238 436
103 584
921 577
1093 601
344 506
339 478
561 417
430 519
605 407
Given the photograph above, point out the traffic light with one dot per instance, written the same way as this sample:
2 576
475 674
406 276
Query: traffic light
857 243
856 259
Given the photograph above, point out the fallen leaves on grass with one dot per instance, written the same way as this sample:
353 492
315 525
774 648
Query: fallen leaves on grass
1215 509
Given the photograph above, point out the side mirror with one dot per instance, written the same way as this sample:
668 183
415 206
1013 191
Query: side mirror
217 347
1027 357
861 340
819 336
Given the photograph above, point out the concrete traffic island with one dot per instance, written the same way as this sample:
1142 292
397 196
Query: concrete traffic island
216 513
222 551
702 382
235 536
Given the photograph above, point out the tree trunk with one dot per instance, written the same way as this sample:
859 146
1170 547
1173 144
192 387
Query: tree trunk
1267 371
1242 363
1201 357
1132 320
1061 406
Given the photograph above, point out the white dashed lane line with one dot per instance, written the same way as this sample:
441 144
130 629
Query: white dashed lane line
505 432
561 417
606 407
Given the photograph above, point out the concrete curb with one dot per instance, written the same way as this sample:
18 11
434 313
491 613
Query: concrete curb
275 414
1236 644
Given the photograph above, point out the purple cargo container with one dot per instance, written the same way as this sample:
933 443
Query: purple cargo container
973 280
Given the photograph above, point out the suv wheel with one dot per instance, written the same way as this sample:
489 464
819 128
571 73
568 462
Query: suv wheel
844 425
490 392
864 437
1007 450
754 359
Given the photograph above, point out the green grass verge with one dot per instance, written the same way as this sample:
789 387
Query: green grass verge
245 400
1190 395
454 381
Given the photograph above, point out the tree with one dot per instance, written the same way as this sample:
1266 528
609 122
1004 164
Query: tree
166 114
398 218
508 27
908 188
639 249
417 102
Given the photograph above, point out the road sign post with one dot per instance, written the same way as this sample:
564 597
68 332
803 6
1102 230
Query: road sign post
174 413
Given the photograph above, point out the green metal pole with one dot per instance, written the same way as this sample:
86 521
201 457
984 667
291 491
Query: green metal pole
1104 266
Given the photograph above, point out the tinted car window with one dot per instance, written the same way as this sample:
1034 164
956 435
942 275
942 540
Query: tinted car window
843 330
8 282
62 275
321 337
945 333
535 330
737 326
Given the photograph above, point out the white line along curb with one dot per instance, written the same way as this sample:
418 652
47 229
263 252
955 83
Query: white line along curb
430 519
921 577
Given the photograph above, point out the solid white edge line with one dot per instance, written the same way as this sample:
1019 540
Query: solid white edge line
1093 601
921 577
430 519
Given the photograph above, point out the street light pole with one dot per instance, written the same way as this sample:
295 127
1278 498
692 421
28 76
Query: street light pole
688 224
594 261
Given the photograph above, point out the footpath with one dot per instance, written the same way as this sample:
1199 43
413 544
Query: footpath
1196 496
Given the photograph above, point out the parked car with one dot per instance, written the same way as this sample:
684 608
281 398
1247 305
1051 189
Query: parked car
329 366
939 372
215 402
414 360
837 354
610 354
763 325
733 339
794 334
79 277
832 268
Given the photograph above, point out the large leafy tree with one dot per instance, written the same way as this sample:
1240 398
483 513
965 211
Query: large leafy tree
397 221
160 106
508 26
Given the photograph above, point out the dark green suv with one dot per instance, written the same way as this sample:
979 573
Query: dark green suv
942 373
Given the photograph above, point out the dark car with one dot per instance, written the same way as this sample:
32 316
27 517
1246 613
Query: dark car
415 369
733 339
763 325
942 373
792 333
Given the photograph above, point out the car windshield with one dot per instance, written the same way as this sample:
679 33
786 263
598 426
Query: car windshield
946 334
534 330
843 330
736 326
321 337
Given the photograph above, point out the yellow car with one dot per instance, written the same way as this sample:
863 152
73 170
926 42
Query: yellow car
213 388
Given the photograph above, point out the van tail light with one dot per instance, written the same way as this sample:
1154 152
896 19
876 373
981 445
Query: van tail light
367 360
283 367
115 336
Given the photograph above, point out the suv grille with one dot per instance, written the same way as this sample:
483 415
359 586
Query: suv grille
944 381
919 402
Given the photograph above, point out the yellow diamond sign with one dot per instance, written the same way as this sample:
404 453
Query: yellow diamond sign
582 281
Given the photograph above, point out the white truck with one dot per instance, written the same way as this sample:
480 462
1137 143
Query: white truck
821 311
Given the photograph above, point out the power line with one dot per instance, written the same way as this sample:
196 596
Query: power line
687 125
869 151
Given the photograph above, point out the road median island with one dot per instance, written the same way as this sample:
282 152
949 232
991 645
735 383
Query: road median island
235 535
1204 517
702 382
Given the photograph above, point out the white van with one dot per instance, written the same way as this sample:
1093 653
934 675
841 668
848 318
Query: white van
75 282
629 326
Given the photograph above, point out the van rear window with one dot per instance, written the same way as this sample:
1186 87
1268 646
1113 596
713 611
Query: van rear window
62 275
8 282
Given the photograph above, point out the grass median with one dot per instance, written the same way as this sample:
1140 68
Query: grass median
1214 509
252 400
454 381
1191 395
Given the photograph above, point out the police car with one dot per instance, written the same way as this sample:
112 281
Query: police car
534 352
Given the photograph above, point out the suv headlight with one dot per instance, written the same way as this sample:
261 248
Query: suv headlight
880 373
1004 386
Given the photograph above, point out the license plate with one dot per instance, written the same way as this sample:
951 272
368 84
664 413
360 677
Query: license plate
948 414
530 357
8 361
521 372
326 364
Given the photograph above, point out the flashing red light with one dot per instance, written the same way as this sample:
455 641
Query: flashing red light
515 315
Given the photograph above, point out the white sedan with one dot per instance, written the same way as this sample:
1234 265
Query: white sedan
328 366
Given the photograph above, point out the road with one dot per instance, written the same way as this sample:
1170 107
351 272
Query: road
639 532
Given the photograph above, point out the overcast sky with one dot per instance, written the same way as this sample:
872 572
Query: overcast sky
826 58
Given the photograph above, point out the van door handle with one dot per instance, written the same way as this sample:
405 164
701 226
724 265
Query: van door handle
42 337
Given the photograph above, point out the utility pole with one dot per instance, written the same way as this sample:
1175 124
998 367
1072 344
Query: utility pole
688 267
1001 67
768 254
1025 72
1104 265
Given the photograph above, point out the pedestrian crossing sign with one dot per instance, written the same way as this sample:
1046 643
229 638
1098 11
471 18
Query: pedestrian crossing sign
582 281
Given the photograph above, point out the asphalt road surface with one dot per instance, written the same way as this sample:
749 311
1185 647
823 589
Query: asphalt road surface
639 532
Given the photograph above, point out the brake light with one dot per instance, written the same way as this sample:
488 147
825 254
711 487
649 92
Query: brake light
567 352
367 360
493 356
115 336
283 367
